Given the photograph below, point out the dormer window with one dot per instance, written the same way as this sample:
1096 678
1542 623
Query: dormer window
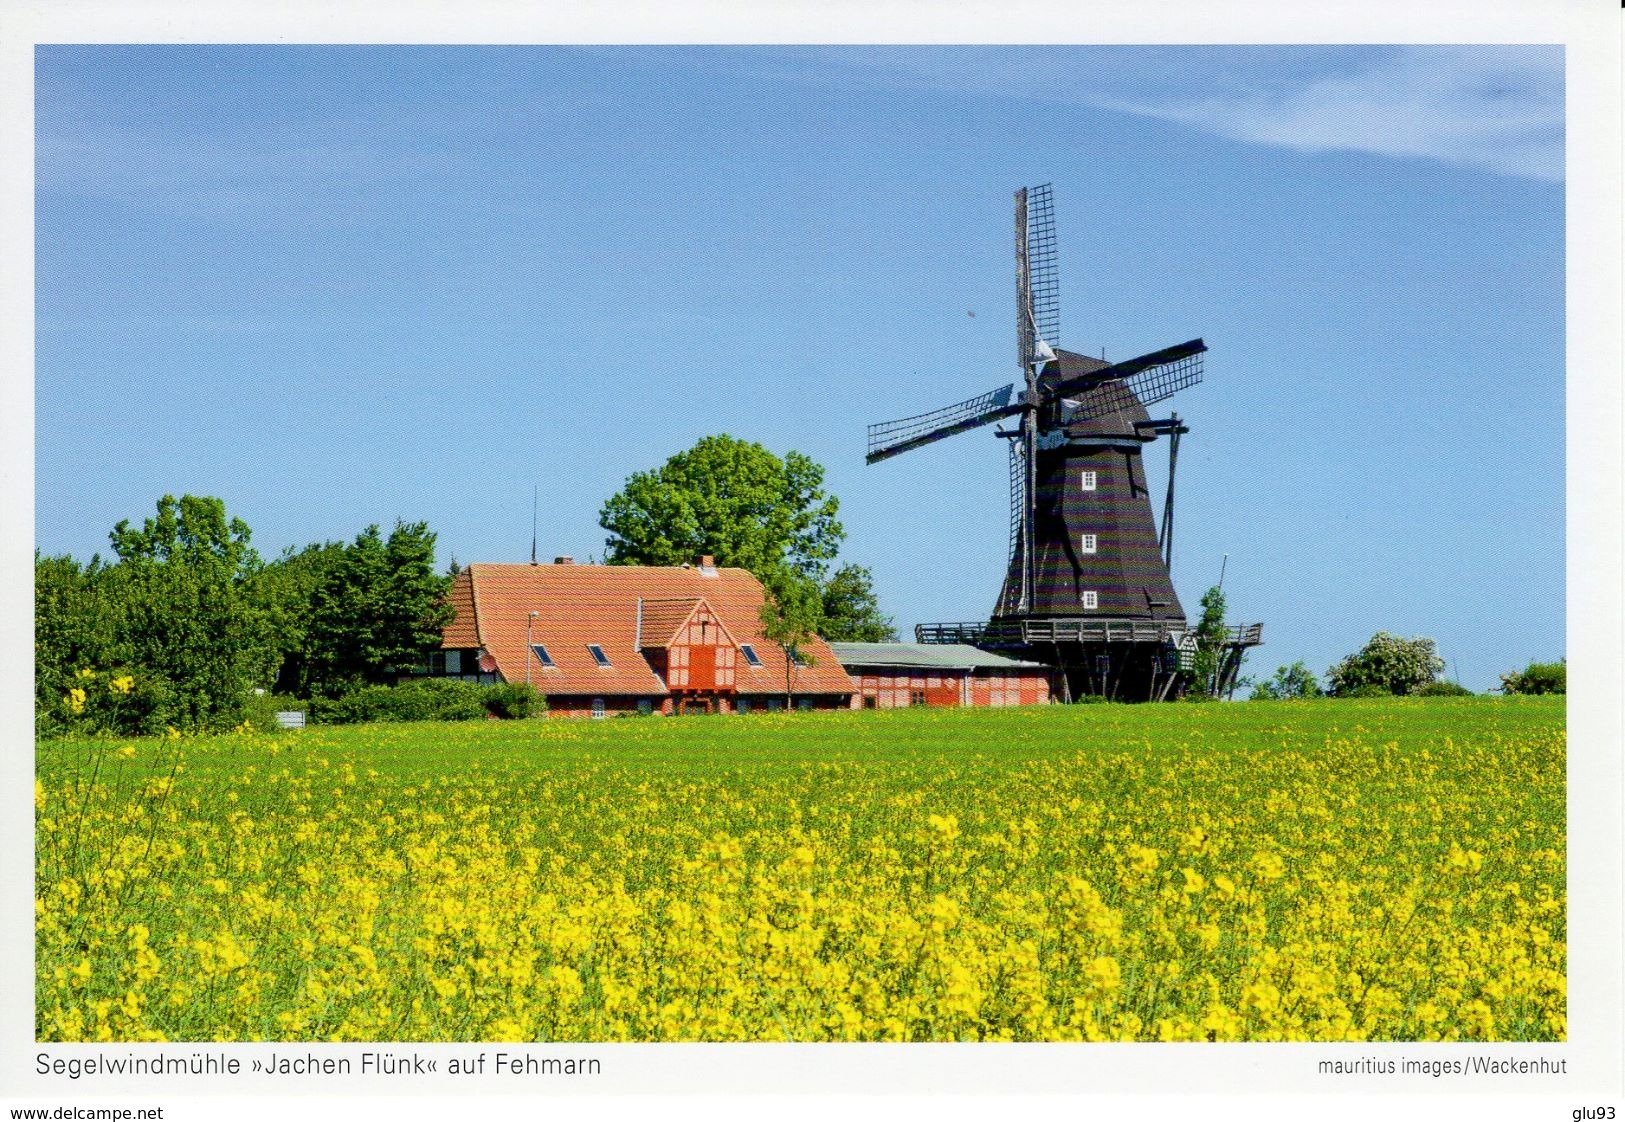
598 654
542 656
750 654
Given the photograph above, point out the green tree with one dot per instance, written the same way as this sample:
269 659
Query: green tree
378 609
791 615
72 631
1290 682
1538 678
1211 635
1388 663
851 613
731 499
179 605
287 589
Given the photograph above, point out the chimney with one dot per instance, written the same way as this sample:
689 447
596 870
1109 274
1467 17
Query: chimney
564 560
708 566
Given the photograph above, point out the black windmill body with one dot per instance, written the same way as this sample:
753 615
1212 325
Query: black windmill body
1088 588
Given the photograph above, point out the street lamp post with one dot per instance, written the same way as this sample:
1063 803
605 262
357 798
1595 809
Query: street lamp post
529 654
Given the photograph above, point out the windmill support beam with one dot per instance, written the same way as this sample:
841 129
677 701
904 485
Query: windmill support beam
1166 535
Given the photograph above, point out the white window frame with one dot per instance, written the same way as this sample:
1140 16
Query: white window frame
598 709
1088 480
1088 543
1091 600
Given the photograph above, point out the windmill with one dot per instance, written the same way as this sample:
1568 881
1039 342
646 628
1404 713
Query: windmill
1088 588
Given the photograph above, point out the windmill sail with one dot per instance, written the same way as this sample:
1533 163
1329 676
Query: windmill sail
1044 273
1038 277
1014 599
1143 380
888 438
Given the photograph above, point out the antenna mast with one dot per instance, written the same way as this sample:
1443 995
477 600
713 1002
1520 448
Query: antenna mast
533 493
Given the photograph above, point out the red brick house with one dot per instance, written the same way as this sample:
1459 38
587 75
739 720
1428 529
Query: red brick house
599 640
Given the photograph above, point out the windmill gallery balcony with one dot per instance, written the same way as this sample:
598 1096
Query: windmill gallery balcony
1024 632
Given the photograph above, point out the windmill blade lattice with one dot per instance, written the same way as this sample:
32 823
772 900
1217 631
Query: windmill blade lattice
1043 264
1015 599
888 438
1150 385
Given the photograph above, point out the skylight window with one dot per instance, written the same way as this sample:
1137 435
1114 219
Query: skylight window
598 654
542 656
750 654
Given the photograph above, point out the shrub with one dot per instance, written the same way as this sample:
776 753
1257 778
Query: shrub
514 700
427 699
1369 690
1441 689
1538 677
1397 666
1289 682
263 708
117 702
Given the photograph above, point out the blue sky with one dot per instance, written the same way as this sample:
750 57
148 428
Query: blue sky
342 285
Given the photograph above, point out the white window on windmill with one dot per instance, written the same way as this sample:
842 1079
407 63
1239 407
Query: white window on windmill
1088 481
1087 543
1091 600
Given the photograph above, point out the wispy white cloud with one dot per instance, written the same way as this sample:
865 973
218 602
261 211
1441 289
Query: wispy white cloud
1494 108
1497 109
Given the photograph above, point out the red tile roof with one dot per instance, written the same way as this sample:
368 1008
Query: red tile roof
662 618
581 604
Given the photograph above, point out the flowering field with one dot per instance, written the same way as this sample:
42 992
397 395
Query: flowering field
1383 870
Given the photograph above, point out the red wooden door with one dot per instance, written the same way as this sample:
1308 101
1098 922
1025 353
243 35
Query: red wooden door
702 668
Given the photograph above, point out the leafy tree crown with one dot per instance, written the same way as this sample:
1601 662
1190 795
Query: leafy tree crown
731 499
1388 662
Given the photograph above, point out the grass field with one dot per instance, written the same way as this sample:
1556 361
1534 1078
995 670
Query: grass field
1269 871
